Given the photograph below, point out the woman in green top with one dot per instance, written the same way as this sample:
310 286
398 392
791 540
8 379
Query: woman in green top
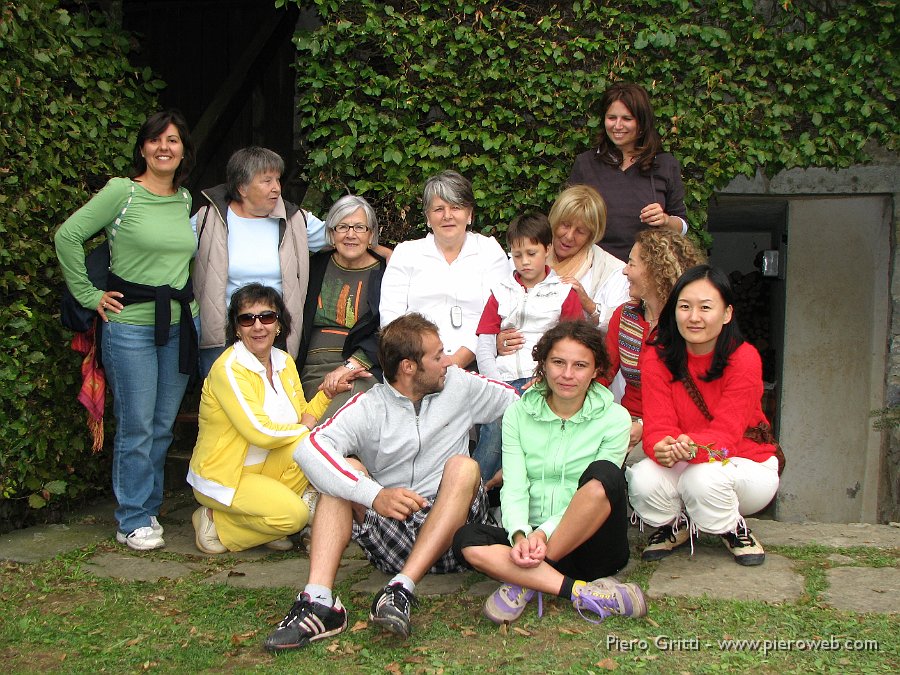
149 327
564 497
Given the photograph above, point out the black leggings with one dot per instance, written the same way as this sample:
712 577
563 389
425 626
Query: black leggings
602 555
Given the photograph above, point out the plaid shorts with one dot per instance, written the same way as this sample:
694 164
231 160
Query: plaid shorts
387 542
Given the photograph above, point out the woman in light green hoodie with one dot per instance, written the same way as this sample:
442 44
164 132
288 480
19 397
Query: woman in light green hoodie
564 495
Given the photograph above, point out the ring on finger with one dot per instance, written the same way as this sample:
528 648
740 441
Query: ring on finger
504 343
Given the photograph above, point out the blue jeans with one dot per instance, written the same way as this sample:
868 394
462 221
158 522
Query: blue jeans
208 356
490 440
147 391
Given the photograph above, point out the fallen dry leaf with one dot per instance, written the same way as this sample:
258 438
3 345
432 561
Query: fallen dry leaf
607 664
504 628
132 643
333 647
232 573
652 622
522 631
570 631
359 625
393 667
468 633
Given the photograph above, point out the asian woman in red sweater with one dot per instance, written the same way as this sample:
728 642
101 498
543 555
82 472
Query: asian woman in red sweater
702 386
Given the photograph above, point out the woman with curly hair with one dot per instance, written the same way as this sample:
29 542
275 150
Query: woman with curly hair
657 259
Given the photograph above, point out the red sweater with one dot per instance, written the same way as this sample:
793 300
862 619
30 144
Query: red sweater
733 400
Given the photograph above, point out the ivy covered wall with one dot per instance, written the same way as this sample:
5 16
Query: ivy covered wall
507 92
70 106
389 93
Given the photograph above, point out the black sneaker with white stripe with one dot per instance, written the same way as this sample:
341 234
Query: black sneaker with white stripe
390 609
307 622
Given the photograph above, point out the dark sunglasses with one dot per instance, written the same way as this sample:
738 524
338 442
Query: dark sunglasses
266 318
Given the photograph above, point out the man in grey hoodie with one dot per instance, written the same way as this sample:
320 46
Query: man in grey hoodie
394 473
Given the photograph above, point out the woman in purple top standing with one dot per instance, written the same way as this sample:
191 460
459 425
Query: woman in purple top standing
640 183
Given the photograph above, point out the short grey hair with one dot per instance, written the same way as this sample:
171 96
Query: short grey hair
452 187
245 164
342 208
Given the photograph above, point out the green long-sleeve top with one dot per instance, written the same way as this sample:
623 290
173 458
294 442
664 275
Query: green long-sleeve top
544 455
150 241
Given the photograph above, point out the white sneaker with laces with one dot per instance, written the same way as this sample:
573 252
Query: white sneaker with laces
141 539
155 526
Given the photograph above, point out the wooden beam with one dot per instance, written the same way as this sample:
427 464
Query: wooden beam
221 113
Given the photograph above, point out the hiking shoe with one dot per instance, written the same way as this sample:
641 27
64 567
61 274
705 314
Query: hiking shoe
390 609
283 544
664 541
744 547
507 603
141 539
205 536
155 526
307 622
606 597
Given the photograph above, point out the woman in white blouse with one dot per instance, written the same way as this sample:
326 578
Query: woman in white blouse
446 276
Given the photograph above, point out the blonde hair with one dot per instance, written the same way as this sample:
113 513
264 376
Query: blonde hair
580 203
667 255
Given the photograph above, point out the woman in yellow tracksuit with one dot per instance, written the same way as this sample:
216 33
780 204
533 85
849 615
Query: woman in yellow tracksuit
252 415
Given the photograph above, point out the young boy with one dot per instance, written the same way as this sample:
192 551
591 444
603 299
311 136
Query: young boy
532 299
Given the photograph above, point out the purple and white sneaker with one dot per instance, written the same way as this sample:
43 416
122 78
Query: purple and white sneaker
507 603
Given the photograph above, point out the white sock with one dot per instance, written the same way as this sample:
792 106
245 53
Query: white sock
405 581
320 594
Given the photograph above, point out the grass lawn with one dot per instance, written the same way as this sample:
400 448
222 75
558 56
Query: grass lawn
58 617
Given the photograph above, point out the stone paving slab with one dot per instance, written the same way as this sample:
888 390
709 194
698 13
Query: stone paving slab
137 567
291 573
864 589
42 542
836 535
713 573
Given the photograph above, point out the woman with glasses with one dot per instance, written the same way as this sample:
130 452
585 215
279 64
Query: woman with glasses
340 319
252 415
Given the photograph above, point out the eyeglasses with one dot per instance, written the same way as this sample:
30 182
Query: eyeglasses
359 228
266 318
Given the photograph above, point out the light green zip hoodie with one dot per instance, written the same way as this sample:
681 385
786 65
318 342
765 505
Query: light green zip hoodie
544 455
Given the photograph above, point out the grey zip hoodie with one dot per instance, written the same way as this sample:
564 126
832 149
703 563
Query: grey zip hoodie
398 447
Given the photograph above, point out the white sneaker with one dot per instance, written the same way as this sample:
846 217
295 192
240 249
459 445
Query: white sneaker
206 537
141 539
310 497
154 525
283 544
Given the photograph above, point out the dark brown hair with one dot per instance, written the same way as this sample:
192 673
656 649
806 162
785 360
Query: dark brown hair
402 339
578 330
530 226
265 295
155 125
648 145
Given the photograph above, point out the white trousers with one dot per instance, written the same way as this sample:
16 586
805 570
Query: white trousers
713 496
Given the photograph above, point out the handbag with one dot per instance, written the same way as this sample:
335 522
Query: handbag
71 314
761 433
